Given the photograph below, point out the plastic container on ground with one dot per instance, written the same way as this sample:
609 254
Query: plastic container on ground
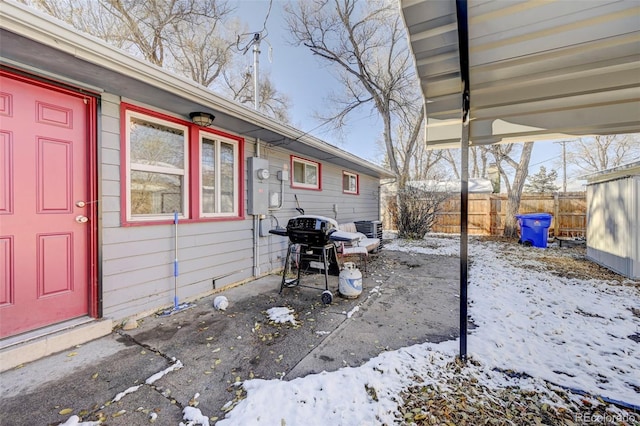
534 228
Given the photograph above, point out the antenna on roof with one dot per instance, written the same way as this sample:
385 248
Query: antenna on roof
255 42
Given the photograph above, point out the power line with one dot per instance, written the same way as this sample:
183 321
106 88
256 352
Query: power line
255 36
544 161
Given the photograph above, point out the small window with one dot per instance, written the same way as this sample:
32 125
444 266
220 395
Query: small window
157 169
306 174
350 183
218 176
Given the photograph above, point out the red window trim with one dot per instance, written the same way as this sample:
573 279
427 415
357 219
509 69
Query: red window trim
347 172
298 186
192 181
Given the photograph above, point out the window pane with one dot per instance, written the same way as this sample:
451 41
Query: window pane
353 187
155 193
208 176
156 145
227 177
345 182
311 174
298 172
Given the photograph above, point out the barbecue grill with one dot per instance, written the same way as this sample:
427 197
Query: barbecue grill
310 246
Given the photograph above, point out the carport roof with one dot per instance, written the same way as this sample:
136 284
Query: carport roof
30 39
538 69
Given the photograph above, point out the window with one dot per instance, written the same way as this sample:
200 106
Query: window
350 183
174 166
306 174
218 176
157 167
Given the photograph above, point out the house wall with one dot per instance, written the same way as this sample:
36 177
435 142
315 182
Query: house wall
137 272
613 225
348 207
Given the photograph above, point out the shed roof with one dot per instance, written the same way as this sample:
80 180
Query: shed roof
32 39
537 69
625 170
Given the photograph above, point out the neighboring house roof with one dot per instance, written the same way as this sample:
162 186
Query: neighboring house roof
476 185
537 69
625 170
39 41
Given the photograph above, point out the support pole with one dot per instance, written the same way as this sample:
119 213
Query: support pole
463 43
256 64
564 167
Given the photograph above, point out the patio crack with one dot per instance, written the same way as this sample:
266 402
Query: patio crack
133 340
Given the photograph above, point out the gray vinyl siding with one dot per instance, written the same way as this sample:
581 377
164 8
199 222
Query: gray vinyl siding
350 207
137 275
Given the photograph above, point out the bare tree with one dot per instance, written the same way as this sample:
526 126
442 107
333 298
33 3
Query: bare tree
591 154
365 43
84 15
151 27
194 38
503 154
200 52
239 86
478 158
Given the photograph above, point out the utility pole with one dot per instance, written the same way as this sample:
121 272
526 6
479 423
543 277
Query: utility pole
564 165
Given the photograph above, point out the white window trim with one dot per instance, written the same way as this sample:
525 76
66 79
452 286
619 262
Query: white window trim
148 168
347 191
306 163
236 166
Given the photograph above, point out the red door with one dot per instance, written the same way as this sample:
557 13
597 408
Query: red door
44 236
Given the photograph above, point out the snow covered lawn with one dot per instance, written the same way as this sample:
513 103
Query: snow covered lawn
552 336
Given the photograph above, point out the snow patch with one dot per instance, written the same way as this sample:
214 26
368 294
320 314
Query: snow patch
281 315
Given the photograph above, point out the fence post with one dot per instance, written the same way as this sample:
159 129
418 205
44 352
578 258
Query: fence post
556 219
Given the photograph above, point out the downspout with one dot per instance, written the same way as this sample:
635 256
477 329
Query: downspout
463 45
256 232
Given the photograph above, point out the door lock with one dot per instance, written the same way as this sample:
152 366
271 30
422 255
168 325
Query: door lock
82 219
84 203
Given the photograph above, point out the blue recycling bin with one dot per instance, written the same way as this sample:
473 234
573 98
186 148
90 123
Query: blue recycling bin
534 228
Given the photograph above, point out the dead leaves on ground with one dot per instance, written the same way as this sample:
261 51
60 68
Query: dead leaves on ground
463 401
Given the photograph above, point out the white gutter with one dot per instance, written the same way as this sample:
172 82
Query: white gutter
48 31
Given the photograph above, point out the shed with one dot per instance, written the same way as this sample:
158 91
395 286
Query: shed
613 219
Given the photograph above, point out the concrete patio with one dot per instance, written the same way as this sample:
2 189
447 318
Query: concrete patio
406 299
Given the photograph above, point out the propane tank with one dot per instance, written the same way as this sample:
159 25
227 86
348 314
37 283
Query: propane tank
350 281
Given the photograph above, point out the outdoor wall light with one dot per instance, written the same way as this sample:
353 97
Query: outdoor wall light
203 119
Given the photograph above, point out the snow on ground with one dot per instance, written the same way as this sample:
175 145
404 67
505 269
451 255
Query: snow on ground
281 315
567 331
573 333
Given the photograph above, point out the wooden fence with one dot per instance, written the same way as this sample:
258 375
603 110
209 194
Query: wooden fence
486 213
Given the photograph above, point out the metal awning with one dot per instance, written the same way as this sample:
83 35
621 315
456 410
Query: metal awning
508 71
538 69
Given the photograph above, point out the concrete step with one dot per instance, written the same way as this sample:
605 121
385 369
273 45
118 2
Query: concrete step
27 347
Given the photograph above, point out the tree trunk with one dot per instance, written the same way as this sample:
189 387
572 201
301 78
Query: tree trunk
515 192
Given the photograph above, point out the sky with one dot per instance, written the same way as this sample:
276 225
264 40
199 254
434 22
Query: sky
527 319
307 81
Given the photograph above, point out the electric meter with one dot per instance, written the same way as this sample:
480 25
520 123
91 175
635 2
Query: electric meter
263 174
